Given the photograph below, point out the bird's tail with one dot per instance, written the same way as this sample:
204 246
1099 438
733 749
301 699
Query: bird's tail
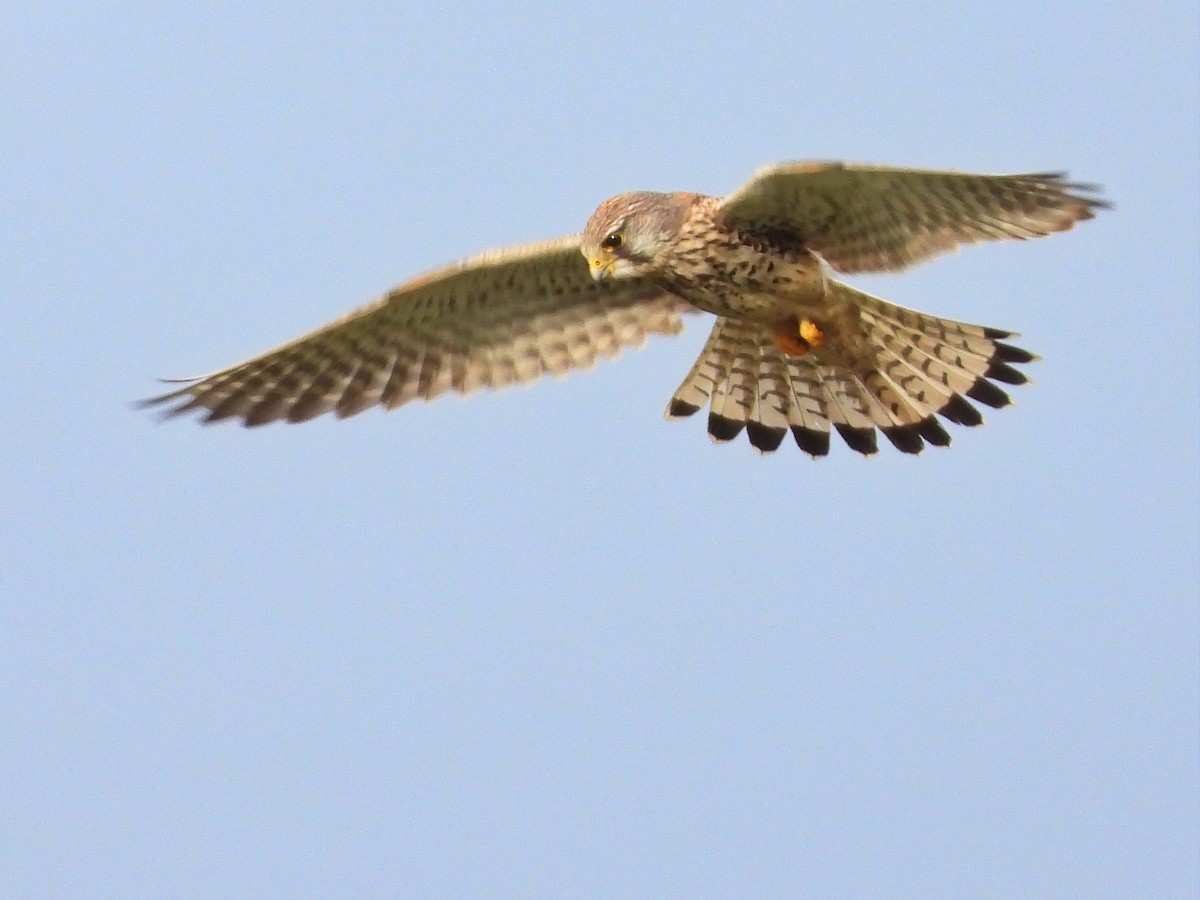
907 368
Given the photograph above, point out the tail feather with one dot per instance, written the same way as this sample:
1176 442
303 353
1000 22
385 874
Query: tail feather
768 422
708 370
806 414
735 396
908 369
848 408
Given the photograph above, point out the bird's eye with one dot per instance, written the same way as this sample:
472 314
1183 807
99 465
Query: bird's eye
613 241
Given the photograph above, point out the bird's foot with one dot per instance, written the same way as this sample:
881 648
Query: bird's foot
797 336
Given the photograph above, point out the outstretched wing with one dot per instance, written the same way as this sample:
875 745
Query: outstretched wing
509 315
876 219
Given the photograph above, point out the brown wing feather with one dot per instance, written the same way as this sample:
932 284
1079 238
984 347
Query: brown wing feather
875 219
505 316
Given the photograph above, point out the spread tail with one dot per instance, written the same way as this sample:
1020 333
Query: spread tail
915 368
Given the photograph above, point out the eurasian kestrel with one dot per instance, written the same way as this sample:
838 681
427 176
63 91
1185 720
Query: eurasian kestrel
792 348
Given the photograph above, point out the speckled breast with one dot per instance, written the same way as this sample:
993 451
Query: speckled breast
730 273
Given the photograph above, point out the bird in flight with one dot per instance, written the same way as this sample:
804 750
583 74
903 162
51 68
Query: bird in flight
793 349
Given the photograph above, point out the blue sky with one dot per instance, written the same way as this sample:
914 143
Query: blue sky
542 643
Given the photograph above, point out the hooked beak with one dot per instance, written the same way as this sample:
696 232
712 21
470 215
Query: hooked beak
600 269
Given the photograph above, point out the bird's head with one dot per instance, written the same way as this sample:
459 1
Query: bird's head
627 234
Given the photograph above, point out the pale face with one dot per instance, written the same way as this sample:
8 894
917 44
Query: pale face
626 234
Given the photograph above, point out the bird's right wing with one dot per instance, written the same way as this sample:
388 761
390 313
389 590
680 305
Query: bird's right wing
504 316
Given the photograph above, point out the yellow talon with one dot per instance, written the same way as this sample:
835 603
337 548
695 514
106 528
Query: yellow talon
795 337
811 334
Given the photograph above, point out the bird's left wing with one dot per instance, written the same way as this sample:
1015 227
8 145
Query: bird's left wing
875 219
505 316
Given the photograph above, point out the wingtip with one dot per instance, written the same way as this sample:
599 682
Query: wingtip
159 400
159 407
